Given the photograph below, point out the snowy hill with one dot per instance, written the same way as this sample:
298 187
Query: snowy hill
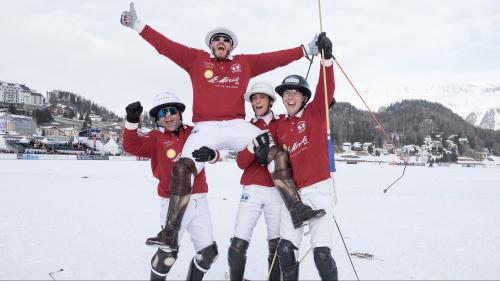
478 103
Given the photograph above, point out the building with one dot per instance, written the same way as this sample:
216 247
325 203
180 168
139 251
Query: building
53 131
71 132
62 110
17 123
22 97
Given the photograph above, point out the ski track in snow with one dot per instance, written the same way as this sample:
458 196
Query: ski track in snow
439 223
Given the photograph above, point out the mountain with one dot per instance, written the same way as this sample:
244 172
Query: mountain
477 103
489 119
410 121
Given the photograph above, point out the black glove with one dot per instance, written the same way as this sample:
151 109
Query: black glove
134 111
261 153
324 44
204 154
261 145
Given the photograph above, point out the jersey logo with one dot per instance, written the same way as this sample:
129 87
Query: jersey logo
301 126
208 74
171 153
235 68
296 145
225 82
244 197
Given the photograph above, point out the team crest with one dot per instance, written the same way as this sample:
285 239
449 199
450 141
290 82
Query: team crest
301 126
244 197
171 153
208 74
235 68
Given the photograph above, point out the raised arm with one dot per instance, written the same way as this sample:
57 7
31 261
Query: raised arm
262 63
132 142
178 53
318 102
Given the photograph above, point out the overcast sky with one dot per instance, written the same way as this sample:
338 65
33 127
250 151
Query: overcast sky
80 46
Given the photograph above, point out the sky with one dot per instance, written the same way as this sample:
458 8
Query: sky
80 46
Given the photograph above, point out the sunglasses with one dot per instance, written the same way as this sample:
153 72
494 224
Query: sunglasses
167 112
223 37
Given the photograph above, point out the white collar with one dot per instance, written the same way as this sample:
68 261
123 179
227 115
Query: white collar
298 115
230 57
267 118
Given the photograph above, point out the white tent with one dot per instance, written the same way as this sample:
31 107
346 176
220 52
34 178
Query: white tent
24 140
112 147
3 145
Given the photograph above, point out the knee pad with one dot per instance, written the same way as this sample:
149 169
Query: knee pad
162 262
180 183
273 246
282 166
206 257
288 262
286 253
327 268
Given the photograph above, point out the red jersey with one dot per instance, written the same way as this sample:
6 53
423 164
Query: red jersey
163 148
218 85
305 138
253 172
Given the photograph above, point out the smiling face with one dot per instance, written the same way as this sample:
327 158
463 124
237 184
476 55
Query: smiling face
221 46
261 104
293 100
170 122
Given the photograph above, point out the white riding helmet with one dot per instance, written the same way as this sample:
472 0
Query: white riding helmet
165 99
260 88
221 30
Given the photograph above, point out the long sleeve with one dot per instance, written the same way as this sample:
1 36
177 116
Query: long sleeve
261 63
136 145
180 54
318 103
244 159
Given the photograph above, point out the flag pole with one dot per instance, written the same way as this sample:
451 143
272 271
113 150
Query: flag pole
327 115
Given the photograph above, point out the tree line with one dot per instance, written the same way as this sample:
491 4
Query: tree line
81 105
408 121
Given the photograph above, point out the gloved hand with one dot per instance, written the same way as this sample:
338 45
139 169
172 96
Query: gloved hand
312 47
129 19
260 146
325 45
134 111
261 153
204 154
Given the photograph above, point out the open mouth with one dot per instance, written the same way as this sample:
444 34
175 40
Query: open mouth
221 48
169 123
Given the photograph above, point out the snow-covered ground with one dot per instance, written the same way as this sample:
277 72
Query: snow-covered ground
91 219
